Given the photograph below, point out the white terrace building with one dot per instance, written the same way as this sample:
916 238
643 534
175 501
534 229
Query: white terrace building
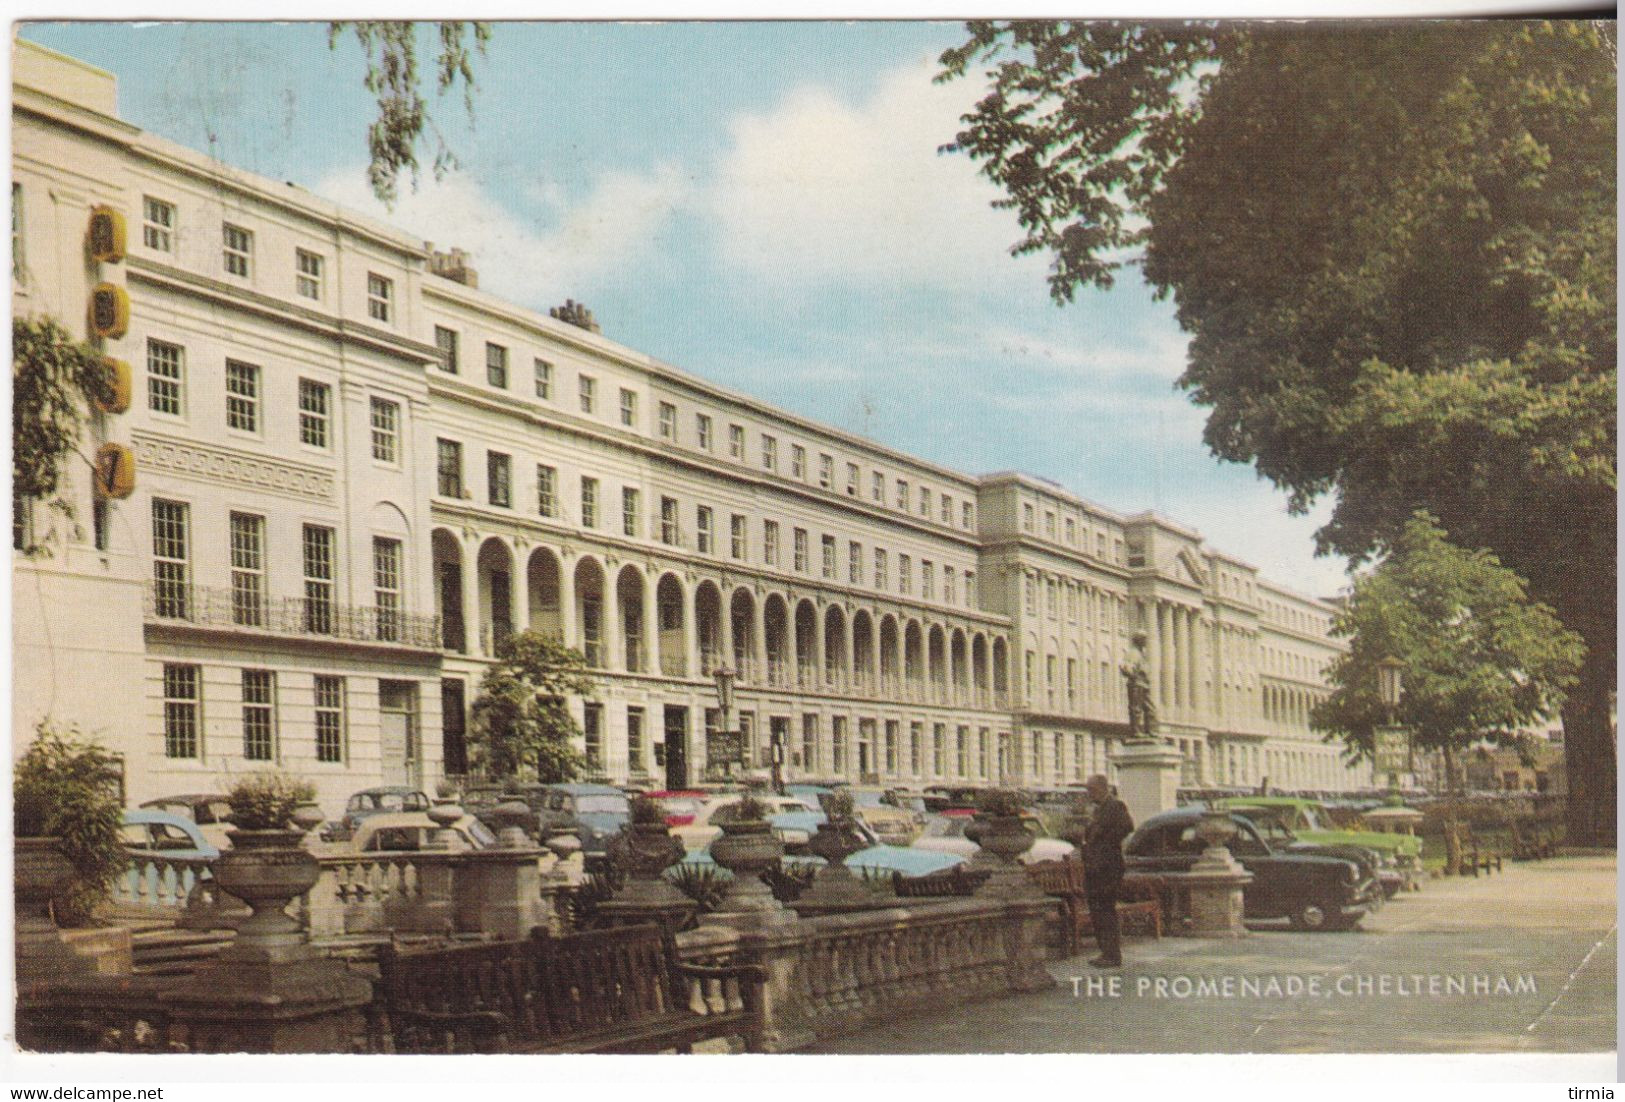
355 473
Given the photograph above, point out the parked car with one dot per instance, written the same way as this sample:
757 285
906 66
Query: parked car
1309 821
594 813
376 801
787 813
680 805
147 833
947 834
1312 891
877 857
1273 829
882 809
410 831
209 810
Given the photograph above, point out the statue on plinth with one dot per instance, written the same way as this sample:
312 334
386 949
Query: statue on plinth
1142 713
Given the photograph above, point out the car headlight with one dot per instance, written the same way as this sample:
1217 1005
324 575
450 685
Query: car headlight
1351 871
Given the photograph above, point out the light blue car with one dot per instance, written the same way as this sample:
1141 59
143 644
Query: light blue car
879 857
168 856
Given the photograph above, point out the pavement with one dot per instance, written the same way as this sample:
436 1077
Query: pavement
1521 961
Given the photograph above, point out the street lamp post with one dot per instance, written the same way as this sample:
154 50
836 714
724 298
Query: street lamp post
725 676
1393 747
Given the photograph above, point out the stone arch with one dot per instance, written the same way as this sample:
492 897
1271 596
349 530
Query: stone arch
544 573
446 555
495 569
742 616
836 645
1001 665
591 593
776 627
708 625
629 591
913 652
936 658
978 664
888 651
671 624
863 645
806 636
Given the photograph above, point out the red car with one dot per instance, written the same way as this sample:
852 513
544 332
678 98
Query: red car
680 805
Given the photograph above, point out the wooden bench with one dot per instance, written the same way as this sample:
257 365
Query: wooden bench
1139 904
621 990
1476 855
957 880
1530 842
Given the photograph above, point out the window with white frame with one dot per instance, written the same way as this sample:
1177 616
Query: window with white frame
928 583
386 430
947 584
592 731
386 587
966 515
668 521
1049 525
704 530
547 501
629 408
881 580
826 471
634 739
947 516
496 365
1031 588
702 432
380 297
183 701
317 546
970 589
828 547
852 478
1026 517
770 453
631 512
543 378
905 574
307 280
902 494
736 442
447 341
247 570
737 531
499 479
925 502
587 393
259 715
329 718
242 396
315 412
801 550
798 461
449 468
237 250
854 562
668 421
171 561
157 224
877 487
770 542
589 502
166 379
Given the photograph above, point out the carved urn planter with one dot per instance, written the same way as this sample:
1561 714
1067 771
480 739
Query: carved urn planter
835 888
267 869
1215 829
644 851
1002 840
747 848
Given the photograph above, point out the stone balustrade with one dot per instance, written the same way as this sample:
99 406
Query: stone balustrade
158 882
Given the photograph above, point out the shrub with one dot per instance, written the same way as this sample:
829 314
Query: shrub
645 810
838 805
787 882
266 801
68 788
746 809
703 884
1002 802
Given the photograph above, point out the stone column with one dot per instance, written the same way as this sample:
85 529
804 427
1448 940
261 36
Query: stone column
818 645
691 632
611 627
874 651
567 604
725 626
758 630
474 640
651 623
519 591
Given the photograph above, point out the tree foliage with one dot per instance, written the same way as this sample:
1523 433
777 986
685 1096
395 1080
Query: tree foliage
392 51
54 379
522 723
1481 660
1394 247
67 787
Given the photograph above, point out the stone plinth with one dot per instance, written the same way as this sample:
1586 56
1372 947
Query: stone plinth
1147 777
1214 883
499 892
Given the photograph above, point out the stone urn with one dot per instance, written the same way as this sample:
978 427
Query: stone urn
267 869
747 848
1215 829
644 851
445 814
1002 839
512 817
834 887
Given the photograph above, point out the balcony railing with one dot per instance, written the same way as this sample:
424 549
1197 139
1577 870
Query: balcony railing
298 616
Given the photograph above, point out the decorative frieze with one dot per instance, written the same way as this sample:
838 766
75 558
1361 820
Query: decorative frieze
219 465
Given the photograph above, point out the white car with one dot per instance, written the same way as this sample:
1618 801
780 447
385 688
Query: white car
946 834
407 832
702 831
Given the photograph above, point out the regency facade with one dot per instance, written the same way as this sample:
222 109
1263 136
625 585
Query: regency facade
355 473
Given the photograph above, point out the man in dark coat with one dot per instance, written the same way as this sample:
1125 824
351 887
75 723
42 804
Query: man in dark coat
1103 868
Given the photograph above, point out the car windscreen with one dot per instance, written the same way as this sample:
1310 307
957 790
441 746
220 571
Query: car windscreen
607 804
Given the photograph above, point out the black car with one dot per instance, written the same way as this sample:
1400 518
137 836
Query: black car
1315 892
1279 837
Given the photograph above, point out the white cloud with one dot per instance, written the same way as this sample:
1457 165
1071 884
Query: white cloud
534 264
821 190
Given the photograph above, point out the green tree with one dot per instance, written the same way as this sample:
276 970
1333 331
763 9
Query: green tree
522 724
54 381
392 49
67 787
1481 660
1394 249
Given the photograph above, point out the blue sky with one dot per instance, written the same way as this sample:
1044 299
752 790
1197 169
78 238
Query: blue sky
761 204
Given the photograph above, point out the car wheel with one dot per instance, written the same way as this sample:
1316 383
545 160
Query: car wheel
1314 915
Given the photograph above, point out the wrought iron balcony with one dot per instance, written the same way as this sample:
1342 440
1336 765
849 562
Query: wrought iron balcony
168 602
